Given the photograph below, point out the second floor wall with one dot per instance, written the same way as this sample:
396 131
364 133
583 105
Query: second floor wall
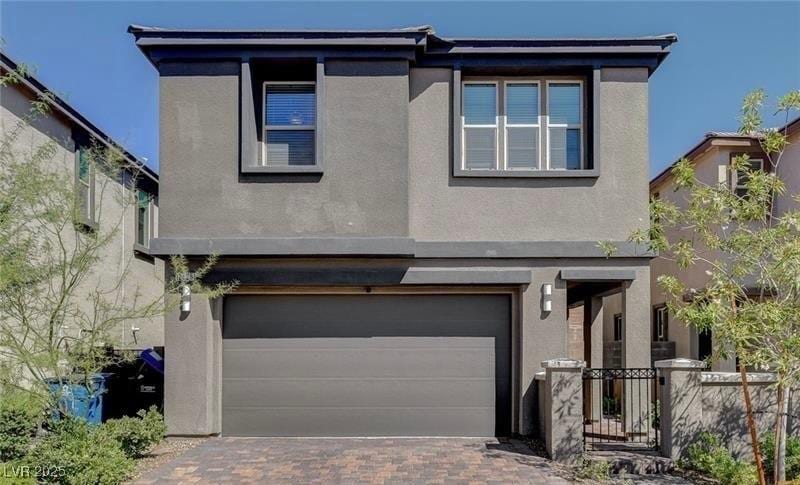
386 141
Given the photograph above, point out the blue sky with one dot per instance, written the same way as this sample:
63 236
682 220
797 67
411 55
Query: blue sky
81 50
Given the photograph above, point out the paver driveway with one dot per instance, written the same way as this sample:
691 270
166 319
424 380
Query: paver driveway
357 460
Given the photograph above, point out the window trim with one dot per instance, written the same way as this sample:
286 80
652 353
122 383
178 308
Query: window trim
495 126
506 124
89 219
656 337
264 128
736 186
149 225
621 327
567 126
590 123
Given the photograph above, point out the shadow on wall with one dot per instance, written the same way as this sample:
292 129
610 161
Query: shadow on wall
724 414
686 426
567 417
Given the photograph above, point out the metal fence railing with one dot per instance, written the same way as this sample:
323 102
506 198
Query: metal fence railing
620 408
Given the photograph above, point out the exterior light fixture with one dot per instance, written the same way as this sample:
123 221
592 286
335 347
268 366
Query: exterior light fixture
547 301
186 299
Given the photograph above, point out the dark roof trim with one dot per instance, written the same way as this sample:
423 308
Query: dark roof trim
390 246
73 115
420 40
719 138
598 275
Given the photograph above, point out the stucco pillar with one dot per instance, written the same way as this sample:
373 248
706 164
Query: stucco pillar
636 321
193 369
593 350
543 336
680 394
563 413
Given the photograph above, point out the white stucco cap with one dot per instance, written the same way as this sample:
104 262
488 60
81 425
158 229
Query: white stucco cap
680 364
563 363
736 378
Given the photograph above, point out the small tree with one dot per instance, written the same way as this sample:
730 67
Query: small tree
751 255
58 314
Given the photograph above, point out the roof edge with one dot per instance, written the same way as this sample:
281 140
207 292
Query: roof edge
76 117
788 129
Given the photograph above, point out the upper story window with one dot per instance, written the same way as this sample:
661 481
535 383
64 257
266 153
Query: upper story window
565 125
740 184
290 110
144 218
84 187
523 125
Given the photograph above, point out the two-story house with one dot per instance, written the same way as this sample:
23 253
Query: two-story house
127 252
711 157
409 217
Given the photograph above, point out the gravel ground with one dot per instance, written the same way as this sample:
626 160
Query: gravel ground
168 450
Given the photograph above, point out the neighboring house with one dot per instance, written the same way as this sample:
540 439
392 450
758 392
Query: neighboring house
711 157
74 135
409 217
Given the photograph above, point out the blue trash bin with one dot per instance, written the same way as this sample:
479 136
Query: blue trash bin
77 400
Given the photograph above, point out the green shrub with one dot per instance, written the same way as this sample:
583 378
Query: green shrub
709 455
595 470
76 453
137 435
20 417
792 455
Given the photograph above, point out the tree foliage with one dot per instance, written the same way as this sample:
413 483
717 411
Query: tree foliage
749 252
59 309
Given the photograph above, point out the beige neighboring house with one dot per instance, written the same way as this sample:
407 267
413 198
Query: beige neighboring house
711 157
74 134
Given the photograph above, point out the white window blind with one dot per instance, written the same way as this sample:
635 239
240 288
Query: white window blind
522 125
565 125
289 124
480 125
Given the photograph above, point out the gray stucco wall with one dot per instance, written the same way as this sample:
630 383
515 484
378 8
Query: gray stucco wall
444 207
363 190
724 412
193 378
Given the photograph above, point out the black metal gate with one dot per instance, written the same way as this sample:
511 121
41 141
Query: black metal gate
620 409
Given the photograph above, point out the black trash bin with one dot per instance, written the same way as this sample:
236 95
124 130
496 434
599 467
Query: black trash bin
137 386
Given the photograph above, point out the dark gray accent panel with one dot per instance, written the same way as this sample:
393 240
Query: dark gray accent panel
525 249
467 276
324 274
588 274
366 365
285 246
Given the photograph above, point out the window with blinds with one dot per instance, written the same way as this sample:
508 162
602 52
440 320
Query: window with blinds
143 219
84 187
522 125
290 110
565 125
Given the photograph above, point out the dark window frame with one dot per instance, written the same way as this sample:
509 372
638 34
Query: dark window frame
590 95
618 323
664 337
144 245
252 114
85 212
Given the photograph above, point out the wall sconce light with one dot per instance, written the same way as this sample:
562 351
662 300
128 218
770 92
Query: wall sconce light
186 299
547 301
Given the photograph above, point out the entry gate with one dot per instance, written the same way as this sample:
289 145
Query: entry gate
620 408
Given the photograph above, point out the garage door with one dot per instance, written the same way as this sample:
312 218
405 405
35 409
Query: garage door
366 365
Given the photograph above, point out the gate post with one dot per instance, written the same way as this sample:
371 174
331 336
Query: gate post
563 414
680 393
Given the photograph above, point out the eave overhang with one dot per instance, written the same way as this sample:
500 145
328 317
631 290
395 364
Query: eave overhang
419 45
